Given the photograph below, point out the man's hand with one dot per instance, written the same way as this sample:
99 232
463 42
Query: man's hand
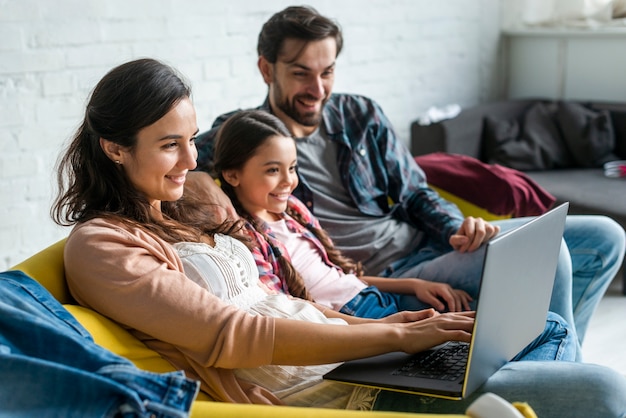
472 233
204 185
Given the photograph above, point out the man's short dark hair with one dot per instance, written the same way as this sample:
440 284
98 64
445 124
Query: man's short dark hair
299 22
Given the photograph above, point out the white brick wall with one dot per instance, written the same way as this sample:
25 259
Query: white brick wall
407 54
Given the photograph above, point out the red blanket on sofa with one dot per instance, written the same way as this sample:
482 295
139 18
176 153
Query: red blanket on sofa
495 188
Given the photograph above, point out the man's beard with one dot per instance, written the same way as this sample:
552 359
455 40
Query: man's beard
309 119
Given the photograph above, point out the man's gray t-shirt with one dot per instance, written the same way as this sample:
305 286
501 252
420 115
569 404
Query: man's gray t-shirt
375 241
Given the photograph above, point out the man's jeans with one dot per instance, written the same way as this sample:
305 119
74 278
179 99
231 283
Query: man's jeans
588 263
554 389
50 365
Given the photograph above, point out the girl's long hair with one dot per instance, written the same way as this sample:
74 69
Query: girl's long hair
237 141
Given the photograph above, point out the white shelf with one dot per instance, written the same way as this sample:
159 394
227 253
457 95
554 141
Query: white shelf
567 31
576 64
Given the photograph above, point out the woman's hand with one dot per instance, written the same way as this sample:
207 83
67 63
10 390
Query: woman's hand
409 316
425 334
434 328
306 343
442 295
472 233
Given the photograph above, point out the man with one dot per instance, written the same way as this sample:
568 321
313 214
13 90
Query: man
363 184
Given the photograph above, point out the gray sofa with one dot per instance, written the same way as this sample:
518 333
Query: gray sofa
588 190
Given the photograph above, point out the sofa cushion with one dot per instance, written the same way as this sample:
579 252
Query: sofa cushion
112 336
532 143
588 134
551 135
588 190
47 268
468 208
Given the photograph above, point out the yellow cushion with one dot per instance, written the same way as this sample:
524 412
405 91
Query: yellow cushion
224 410
47 268
112 336
467 208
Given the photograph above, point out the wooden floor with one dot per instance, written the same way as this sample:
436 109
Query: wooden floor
606 335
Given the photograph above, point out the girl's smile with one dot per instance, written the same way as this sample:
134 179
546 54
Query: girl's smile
265 182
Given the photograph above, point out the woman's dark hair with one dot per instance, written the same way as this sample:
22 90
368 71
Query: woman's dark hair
297 22
129 98
237 141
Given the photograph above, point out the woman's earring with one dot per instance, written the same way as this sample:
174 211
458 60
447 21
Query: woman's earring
118 162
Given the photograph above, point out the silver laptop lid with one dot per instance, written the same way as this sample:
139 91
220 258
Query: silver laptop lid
515 292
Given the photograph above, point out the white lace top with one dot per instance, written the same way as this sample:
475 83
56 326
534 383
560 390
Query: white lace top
228 270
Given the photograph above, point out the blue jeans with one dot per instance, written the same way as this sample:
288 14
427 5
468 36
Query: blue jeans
372 303
51 367
592 254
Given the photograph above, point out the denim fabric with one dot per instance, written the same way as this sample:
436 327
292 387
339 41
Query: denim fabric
556 342
372 303
51 366
587 264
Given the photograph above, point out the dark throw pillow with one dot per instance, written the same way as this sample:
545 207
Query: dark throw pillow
532 143
587 133
619 129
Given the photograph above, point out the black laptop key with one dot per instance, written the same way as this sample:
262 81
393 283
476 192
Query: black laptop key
444 363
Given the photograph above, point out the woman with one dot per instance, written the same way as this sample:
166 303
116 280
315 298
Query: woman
121 185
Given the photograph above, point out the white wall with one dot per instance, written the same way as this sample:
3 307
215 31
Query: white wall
407 54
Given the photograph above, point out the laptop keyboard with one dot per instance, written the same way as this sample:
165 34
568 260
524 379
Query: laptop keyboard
445 363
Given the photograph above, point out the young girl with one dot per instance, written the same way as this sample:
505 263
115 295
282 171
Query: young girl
255 158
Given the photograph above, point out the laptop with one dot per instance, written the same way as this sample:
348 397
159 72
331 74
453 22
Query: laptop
516 286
